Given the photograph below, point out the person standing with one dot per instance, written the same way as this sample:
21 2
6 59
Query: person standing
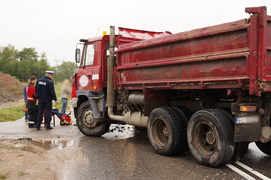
45 93
65 92
73 86
25 100
31 102
73 90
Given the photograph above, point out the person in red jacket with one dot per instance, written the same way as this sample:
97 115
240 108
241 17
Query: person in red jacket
73 90
73 86
31 102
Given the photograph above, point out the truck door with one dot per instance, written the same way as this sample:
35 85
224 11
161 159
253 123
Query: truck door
84 73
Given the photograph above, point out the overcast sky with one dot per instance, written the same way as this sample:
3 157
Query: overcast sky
55 26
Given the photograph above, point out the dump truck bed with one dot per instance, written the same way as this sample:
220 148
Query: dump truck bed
230 55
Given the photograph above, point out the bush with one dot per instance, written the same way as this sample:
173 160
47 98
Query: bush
15 77
14 89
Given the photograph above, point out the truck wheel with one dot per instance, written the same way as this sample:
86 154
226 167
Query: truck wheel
210 138
185 111
86 121
183 126
165 133
241 148
265 147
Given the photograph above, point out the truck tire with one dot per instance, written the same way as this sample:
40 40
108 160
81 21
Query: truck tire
241 148
185 111
85 119
183 125
165 132
265 147
210 138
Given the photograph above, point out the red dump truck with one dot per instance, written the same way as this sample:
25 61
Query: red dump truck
207 90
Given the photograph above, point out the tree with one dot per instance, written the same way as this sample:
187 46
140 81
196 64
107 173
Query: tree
23 71
41 66
64 71
29 54
8 57
22 64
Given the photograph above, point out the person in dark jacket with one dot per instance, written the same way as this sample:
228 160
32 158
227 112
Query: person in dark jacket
45 92
25 100
31 102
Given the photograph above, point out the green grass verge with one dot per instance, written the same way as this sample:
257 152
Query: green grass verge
3 176
21 173
11 114
58 91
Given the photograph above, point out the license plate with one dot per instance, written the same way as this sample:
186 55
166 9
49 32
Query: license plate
247 120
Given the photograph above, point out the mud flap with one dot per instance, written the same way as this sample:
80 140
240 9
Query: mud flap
97 103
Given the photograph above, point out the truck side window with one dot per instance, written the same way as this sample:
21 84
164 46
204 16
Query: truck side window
90 54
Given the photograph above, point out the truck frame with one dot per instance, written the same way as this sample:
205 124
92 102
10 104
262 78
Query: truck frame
207 90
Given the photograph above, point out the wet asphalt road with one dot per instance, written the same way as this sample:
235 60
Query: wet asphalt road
126 153
119 157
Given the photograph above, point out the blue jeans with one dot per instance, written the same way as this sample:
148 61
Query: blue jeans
26 114
64 105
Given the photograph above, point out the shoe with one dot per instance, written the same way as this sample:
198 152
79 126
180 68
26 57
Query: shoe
75 124
26 120
38 129
49 128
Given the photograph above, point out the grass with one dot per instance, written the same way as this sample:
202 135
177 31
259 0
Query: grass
14 89
7 147
11 114
21 173
3 176
58 91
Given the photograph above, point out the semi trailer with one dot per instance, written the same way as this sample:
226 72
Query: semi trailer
206 90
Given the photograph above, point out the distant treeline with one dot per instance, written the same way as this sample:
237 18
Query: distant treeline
25 63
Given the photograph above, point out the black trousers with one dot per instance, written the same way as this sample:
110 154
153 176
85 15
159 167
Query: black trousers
32 111
44 104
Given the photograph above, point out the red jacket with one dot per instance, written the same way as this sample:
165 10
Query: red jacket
73 91
30 91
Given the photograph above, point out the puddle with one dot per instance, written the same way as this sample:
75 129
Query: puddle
53 144
117 131
48 145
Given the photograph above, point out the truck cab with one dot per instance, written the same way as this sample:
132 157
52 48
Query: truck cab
91 75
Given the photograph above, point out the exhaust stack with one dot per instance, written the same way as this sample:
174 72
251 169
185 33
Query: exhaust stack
133 118
110 80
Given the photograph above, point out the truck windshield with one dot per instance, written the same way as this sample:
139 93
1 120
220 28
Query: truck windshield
89 55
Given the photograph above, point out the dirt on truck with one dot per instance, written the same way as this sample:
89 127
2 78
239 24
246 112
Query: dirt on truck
207 90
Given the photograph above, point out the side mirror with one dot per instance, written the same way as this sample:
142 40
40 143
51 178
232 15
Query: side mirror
77 55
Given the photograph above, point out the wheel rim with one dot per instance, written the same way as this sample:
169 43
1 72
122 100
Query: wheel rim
160 132
205 138
88 118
